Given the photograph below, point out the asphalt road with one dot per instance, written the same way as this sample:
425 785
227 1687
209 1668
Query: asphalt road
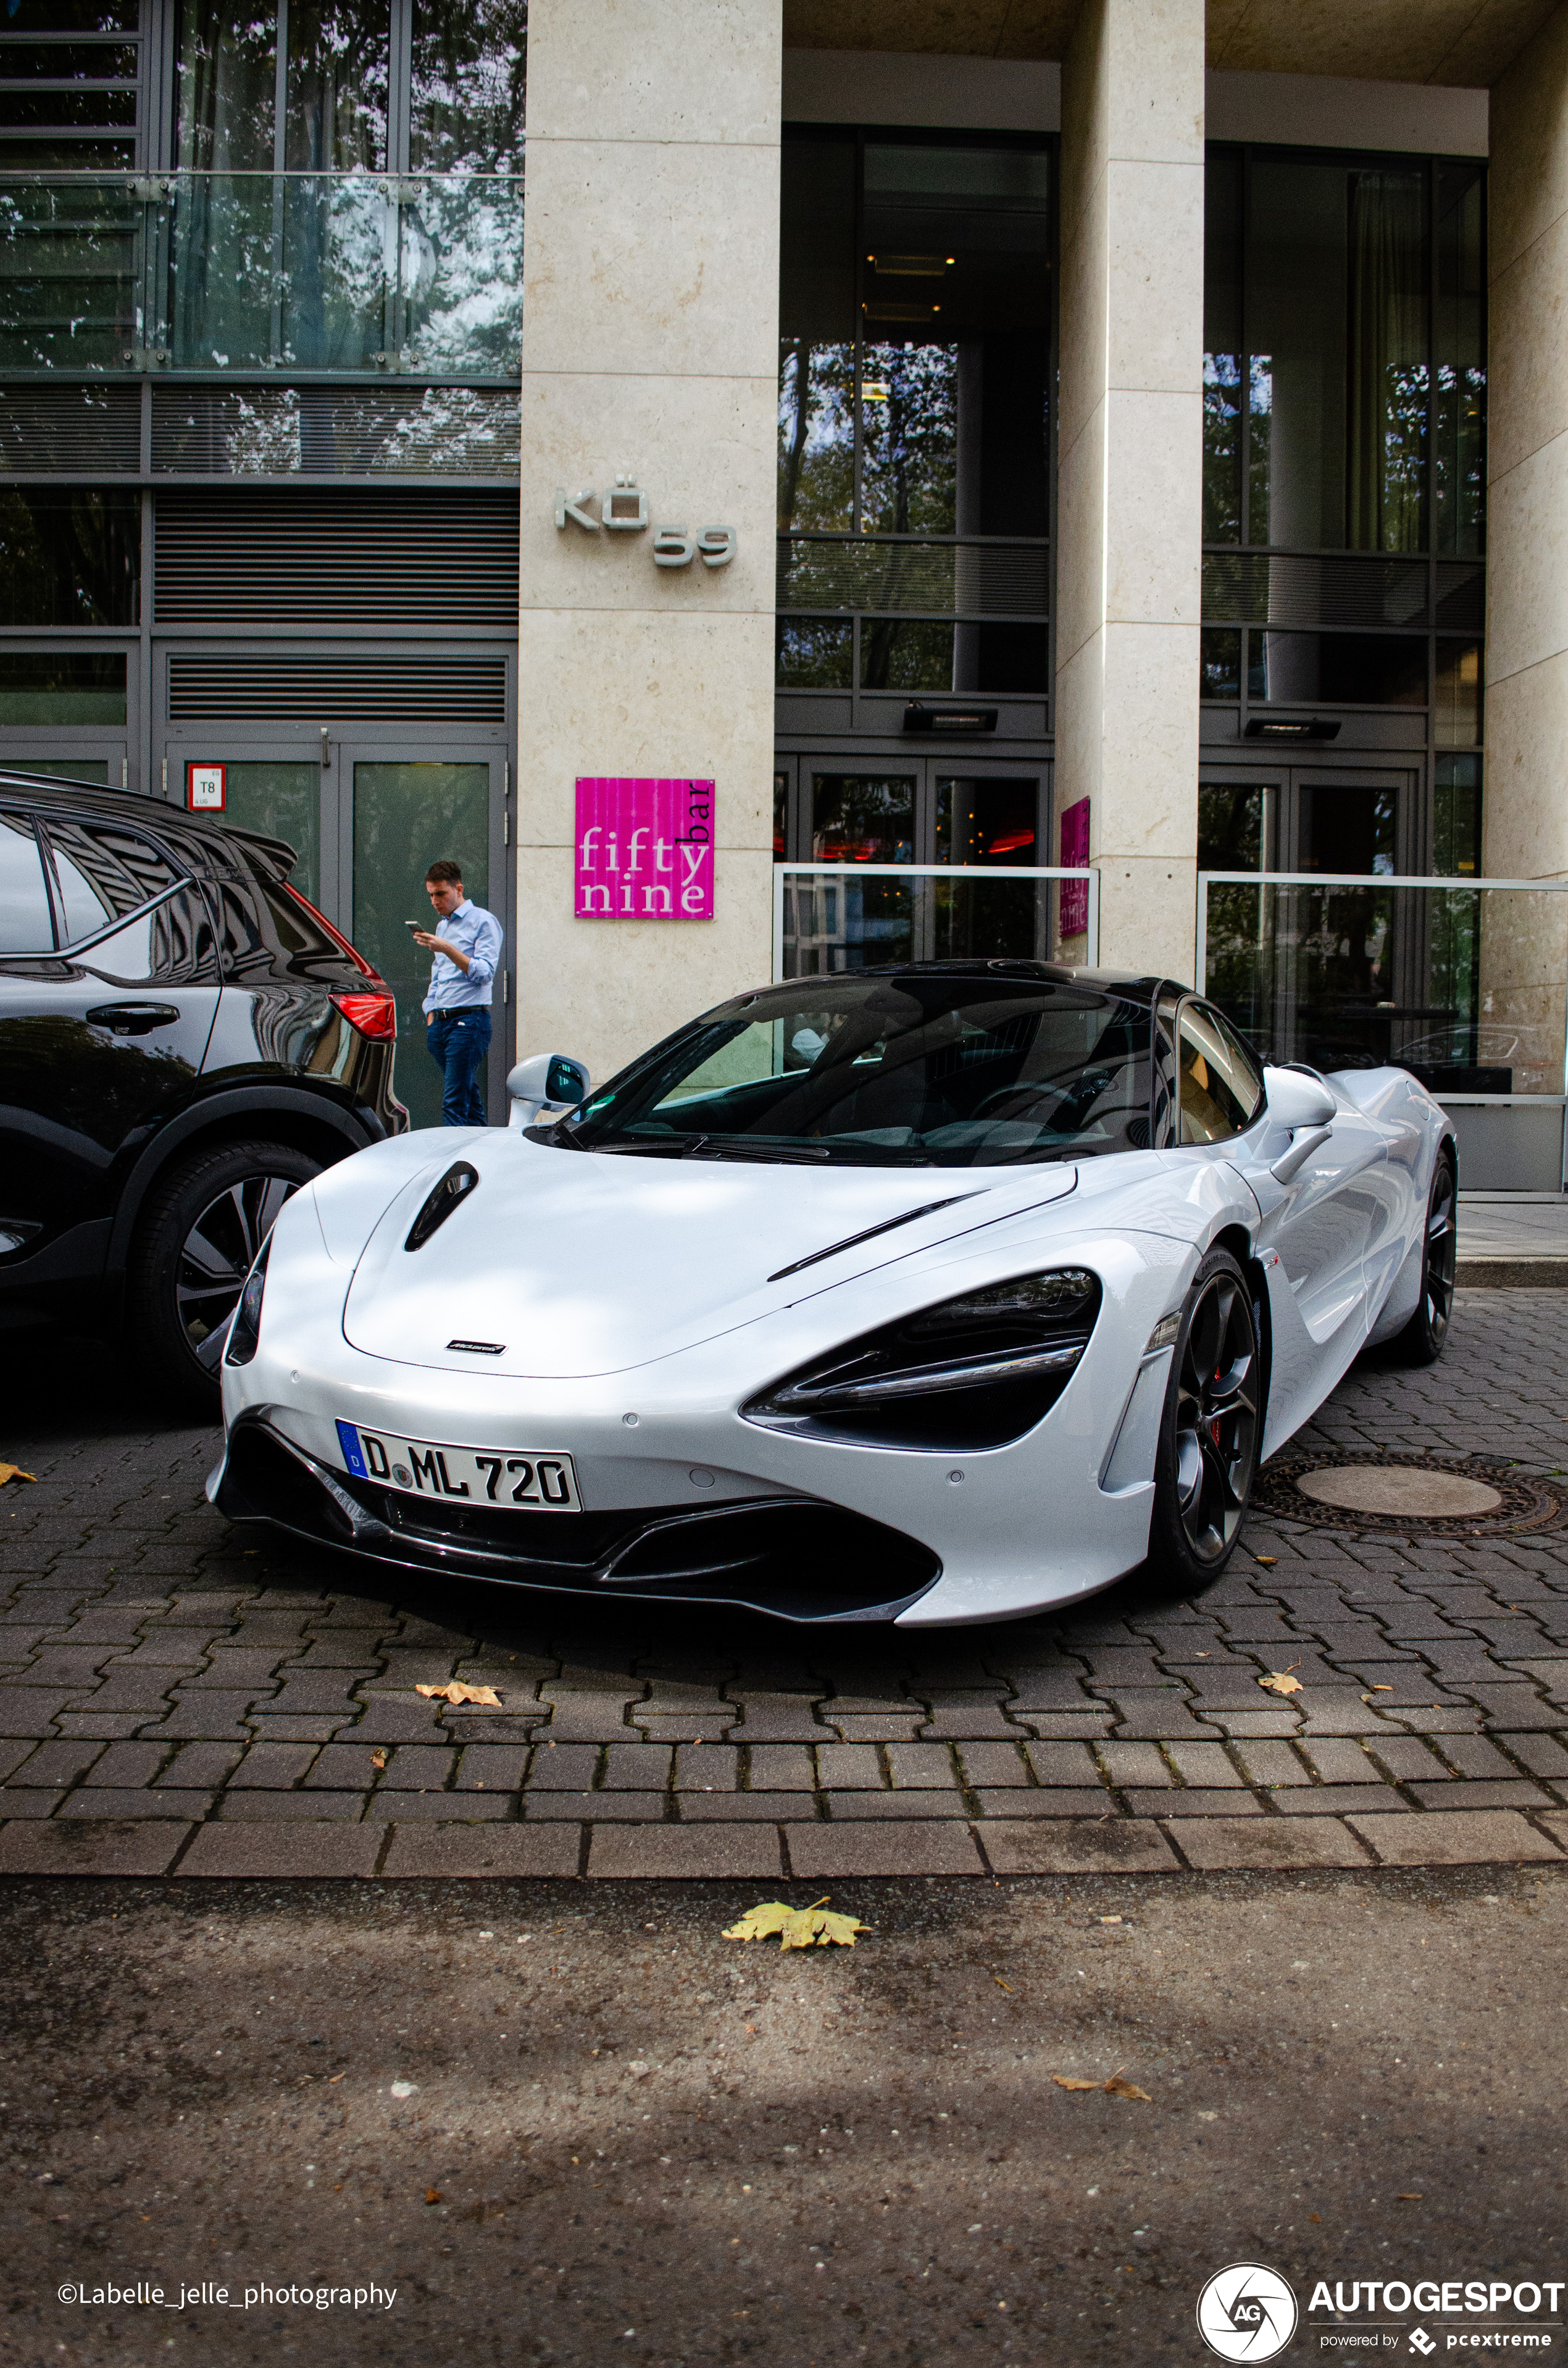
628 2139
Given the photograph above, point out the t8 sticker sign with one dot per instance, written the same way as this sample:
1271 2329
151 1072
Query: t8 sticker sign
645 849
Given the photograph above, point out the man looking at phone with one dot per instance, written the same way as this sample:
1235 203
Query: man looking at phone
457 1008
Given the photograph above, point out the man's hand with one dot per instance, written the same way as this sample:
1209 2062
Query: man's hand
440 946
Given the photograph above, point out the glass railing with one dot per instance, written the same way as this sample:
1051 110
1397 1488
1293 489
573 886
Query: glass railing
841 916
1466 986
349 274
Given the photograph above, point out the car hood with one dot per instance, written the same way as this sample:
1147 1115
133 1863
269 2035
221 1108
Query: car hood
569 1264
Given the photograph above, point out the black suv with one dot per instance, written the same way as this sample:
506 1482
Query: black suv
184 1042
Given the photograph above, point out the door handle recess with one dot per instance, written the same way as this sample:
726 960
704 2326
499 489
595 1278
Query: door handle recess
134 1019
1304 1141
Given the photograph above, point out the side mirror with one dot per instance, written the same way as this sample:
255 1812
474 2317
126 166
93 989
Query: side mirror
1306 1107
1296 1100
554 1078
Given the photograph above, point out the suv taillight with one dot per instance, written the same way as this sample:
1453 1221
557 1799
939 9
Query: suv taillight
373 1014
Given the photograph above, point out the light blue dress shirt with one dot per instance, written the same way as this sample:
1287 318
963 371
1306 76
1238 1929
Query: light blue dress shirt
477 934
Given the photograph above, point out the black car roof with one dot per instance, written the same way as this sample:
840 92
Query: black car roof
1138 987
54 794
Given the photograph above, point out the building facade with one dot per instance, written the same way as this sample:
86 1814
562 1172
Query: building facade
1109 432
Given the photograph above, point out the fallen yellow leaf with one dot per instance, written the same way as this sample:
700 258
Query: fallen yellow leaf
1115 2087
486 1696
14 1472
377 1758
1281 1682
1410 2199
798 1928
336 2079
1266 1562
432 2195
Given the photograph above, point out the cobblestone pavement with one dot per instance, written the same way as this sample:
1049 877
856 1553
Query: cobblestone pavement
175 1693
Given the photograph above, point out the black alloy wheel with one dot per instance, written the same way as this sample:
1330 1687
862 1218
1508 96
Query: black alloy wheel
198 1238
1211 1430
1423 1338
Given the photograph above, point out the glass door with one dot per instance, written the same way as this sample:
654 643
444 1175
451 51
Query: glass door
398 818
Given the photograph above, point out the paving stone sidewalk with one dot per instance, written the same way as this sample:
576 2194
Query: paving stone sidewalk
175 1694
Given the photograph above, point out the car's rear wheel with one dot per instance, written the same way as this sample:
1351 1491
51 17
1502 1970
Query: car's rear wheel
1423 1339
202 1227
1211 1430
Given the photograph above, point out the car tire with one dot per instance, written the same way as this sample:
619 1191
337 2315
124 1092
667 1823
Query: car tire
203 1225
1423 1341
1211 1430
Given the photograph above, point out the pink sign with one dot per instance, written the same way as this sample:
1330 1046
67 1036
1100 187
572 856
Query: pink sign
645 849
1075 852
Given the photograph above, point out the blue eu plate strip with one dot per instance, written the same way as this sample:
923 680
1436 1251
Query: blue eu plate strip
349 1440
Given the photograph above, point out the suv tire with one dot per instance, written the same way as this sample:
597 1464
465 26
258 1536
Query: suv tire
203 1225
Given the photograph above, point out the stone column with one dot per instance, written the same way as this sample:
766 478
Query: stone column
650 351
1524 940
1130 465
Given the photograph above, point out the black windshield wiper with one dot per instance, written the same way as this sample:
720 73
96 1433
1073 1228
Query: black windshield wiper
706 1146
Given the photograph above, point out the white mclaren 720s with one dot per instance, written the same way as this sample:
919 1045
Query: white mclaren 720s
930 1293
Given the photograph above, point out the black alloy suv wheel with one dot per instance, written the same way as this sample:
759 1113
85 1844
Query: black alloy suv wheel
1423 1338
198 1235
1211 1430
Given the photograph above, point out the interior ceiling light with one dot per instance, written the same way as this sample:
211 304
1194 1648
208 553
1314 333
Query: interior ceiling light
910 267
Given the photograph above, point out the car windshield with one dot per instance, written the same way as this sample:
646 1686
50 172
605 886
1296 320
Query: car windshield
933 1068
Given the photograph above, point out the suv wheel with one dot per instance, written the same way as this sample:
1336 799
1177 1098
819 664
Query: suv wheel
203 1225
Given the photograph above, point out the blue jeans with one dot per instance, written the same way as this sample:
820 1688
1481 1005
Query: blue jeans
459 1041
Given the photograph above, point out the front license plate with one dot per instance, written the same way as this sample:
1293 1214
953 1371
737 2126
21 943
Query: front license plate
543 1482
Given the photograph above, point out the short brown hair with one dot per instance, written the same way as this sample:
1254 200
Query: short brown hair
443 870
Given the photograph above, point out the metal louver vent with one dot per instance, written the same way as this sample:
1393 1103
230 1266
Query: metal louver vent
332 561
70 430
399 689
325 431
892 579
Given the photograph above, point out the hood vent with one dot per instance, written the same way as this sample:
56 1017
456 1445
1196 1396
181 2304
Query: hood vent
455 1186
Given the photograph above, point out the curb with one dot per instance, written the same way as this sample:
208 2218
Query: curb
1485 1273
308 1849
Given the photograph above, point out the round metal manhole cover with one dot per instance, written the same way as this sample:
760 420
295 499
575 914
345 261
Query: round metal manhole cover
1473 1495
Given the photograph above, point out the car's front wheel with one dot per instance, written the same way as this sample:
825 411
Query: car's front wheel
1211 1430
1423 1339
202 1227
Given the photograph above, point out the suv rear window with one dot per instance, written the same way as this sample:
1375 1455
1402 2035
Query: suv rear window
103 871
24 901
264 928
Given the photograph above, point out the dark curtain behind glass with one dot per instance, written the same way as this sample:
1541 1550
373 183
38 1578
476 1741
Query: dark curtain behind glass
816 327
1222 348
1385 473
1460 361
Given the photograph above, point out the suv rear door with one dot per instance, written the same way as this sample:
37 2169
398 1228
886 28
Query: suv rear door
103 1023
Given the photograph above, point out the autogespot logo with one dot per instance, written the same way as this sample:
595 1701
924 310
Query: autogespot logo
1246 2312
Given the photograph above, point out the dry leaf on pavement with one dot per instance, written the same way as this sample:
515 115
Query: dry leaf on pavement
432 2195
486 1696
377 1758
14 1472
1281 1682
1115 2087
798 1928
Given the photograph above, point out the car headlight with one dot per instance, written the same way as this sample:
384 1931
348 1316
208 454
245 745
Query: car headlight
245 1328
977 1371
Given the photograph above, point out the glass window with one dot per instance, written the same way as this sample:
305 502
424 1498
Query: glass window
988 821
24 927
1347 828
905 653
1338 669
1222 348
816 361
1456 720
1459 399
1230 826
1220 657
814 653
69 558
338 62
56 96
1222 1087
225 87
862 818
172 941
467 85
62 687
1456 815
